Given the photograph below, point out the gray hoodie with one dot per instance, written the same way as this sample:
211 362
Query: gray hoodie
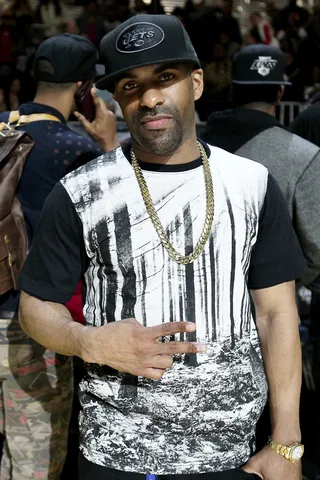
293 161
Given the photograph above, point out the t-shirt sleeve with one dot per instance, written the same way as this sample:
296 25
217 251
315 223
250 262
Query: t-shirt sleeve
57 259
276 256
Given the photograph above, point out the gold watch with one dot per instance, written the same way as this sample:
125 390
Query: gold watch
292 452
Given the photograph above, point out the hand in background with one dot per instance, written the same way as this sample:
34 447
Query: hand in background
103 129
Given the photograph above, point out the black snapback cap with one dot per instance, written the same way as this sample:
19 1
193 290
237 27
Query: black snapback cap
259 64
68 58
144 40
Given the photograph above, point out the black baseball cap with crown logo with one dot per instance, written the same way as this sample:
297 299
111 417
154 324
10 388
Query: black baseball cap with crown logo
259 64
144 40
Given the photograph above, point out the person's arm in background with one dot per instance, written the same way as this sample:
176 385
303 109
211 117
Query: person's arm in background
307 195
306 219
277 323
306 126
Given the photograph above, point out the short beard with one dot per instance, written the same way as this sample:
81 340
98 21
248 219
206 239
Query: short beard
159 144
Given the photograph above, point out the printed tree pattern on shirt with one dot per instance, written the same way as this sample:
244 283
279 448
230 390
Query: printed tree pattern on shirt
202 415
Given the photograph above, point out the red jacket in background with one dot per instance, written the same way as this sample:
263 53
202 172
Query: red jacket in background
75 305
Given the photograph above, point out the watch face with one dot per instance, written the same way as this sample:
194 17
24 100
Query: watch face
297 452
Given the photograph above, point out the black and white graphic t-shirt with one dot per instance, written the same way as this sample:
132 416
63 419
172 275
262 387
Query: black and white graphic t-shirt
201 416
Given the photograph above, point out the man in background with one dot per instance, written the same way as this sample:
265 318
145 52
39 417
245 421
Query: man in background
306 125
251 130
36 383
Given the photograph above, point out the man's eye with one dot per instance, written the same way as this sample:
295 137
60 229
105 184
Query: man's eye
166 77
129 86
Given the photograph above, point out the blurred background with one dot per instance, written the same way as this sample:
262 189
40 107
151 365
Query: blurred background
217 29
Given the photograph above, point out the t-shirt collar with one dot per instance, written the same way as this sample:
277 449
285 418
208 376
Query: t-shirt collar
157 167
33 107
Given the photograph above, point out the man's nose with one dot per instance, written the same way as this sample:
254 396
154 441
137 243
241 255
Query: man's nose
151 98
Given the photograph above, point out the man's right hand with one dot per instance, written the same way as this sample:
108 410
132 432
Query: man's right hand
129 347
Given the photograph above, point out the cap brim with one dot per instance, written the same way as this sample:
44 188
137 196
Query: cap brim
253 82
107 82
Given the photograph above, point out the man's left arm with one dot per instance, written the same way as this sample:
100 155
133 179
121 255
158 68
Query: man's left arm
277 323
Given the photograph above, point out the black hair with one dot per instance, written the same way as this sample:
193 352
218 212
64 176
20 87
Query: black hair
244 94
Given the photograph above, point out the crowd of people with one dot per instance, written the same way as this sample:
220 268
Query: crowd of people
165 267
214 30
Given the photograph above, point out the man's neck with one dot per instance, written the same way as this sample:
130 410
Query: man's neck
261 107
62 104
187 152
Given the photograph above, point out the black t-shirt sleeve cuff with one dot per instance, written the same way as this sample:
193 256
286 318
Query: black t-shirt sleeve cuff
57 259
42 292
276 257
277 275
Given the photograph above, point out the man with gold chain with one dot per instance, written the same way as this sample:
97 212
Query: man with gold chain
173 238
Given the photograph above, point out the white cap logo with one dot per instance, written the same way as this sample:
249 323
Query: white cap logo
264 65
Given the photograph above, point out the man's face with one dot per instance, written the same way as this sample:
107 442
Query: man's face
157 103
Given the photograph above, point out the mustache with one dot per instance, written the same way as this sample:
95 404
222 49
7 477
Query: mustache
152 112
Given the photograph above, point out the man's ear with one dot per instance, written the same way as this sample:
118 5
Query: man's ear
197 80
280 94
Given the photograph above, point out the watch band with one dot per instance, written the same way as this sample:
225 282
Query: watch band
278 448
286 451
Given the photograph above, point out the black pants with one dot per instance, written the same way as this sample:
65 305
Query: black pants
90 471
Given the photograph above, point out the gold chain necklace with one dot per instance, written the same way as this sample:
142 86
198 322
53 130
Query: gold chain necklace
173 253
